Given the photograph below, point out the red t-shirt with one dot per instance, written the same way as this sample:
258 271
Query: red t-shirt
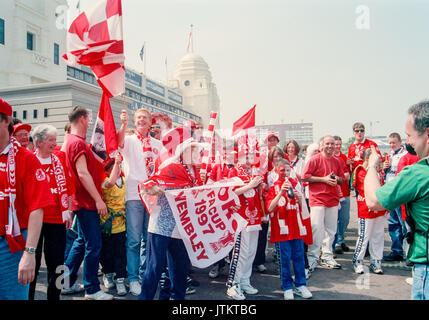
406 160
53 214
345 186
322 194
363 211
355 151
219 172
32 188
250 202
76 147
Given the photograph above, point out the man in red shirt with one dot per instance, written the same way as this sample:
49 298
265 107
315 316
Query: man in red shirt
360 144
344 212
87 206
23 181
323 172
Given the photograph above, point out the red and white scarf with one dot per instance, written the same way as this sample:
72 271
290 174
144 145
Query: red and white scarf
14 237
147 151
60 179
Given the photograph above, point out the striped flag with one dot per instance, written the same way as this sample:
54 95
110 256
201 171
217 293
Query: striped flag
209 140
95 39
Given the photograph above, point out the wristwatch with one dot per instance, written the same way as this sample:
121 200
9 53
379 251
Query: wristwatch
373 166
30 250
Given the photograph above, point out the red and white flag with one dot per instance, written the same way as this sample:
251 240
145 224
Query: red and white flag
104 141
245 121
95 39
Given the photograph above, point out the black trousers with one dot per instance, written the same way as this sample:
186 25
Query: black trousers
52 242
113 257
262 245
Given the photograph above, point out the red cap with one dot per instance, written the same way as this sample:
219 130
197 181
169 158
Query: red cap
20 126
5 108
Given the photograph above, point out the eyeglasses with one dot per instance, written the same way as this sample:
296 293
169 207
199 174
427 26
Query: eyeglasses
359 130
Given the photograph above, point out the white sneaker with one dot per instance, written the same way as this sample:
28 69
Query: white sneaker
135 288
120 287
375 266
214 272
261 268
76 288
108 281
288 295
330 263
312 265
303 292
409 281
247 288
358 267
235 292
99 295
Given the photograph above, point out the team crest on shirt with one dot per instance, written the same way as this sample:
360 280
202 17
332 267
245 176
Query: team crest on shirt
65 200
40 175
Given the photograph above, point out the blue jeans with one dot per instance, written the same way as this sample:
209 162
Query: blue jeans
291 250
343 222
420 289
397 230
161 251
137 220
86 248
10 288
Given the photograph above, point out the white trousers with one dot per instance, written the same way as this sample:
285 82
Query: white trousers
248 247
370 231
324 225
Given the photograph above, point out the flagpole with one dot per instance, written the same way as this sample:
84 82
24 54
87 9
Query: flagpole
166 72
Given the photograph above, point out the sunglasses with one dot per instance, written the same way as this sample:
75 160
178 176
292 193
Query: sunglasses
359 130
155 127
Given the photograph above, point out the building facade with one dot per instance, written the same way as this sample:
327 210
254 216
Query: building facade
300 132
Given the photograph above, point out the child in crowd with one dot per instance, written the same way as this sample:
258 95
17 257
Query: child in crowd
113 253
289 230
371 223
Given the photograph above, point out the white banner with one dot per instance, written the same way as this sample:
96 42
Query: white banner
206 220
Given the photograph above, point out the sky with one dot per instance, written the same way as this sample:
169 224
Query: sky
329 62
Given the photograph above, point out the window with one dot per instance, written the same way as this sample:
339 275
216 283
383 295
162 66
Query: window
56 54
30 41
187 83
14 114
24 114
1 31
35 113
45 113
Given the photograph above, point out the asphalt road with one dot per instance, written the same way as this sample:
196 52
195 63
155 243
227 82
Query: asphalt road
325 284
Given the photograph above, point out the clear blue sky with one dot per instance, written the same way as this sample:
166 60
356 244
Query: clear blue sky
298 60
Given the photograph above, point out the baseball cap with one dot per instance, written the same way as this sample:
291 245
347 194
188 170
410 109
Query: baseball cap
5 108
20 126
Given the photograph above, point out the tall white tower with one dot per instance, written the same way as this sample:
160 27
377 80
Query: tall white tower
193 77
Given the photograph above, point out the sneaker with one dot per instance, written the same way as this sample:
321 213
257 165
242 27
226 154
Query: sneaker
192 282
214 272
190 289
307 274
99 295
409 281
288 295
358 267
135 288
235 292
303 292
312 265
261 268
330 263
345 247
121 290
393 257
108 281
338 249
376 267
247 288
76 288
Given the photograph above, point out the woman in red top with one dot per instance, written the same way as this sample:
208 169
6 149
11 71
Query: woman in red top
371 224
56 218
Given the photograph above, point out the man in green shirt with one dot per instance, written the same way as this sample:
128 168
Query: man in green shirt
410 187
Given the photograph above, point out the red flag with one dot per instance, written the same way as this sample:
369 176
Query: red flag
104 141
245 122
95 39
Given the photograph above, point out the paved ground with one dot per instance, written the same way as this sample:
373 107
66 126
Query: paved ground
325 284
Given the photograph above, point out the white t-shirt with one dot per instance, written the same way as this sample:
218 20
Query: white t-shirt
135 163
